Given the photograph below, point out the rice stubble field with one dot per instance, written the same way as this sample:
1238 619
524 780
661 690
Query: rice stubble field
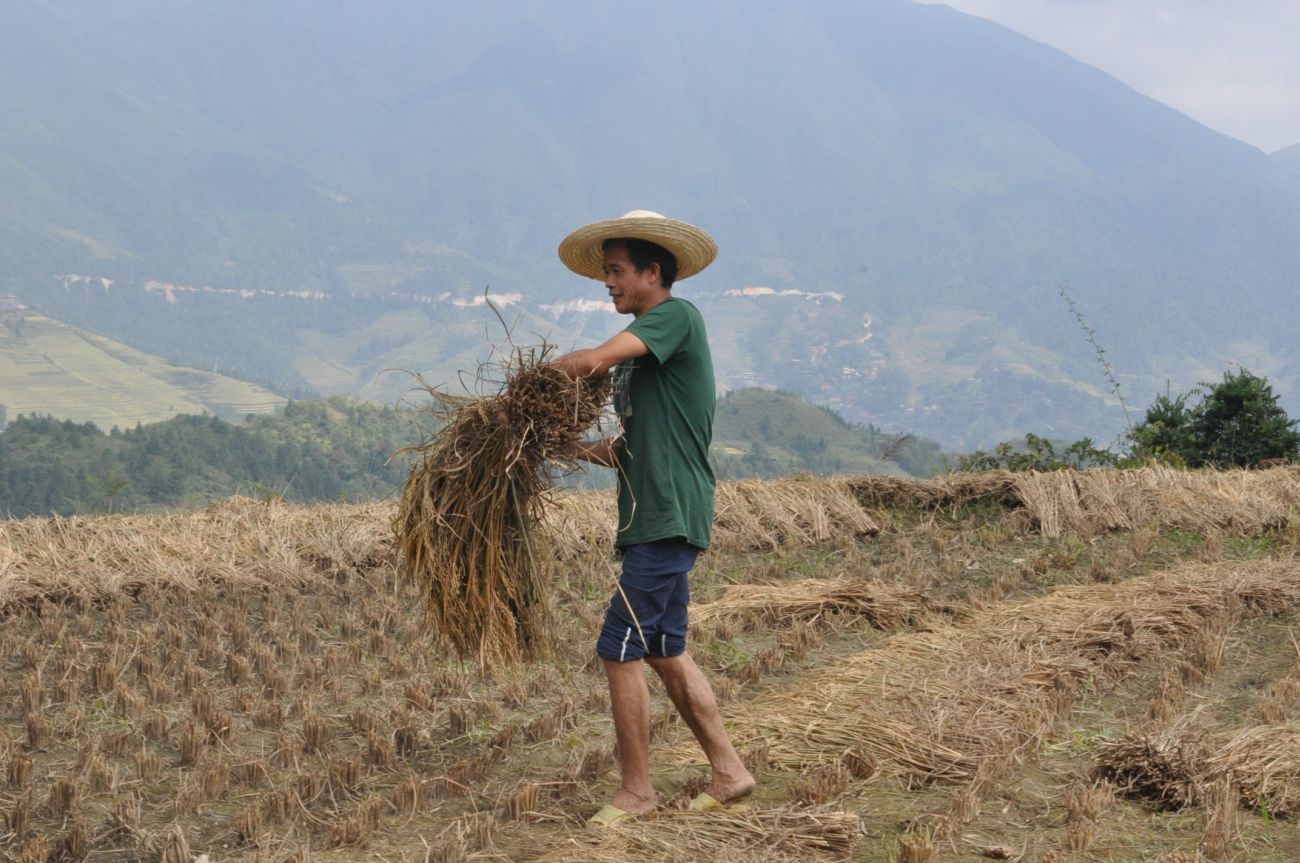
1096 666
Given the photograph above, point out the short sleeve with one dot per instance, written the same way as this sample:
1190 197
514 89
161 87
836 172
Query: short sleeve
663 329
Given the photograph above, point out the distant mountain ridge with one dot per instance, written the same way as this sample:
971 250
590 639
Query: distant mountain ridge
943 176
1288 156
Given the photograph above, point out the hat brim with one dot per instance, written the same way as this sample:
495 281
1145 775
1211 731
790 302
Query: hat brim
693 248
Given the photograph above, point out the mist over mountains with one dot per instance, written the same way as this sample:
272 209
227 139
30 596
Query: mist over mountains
900 193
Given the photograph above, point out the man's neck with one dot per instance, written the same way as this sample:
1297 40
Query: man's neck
663 297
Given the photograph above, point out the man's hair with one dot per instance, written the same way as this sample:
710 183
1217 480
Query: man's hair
643 253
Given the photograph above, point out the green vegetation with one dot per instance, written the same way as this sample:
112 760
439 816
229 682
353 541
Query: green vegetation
49 367
768 433
1237 423
339 449
335 449
1041 454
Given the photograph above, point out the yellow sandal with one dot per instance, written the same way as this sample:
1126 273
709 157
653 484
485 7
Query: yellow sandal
706 802
608 816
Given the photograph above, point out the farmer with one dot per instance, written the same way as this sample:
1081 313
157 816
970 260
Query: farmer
664 399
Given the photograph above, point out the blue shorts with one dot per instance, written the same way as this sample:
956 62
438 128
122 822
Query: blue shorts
654 582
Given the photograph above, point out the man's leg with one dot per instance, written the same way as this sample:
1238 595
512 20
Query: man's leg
629 699
693 696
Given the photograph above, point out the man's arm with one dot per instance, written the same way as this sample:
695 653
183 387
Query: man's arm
597 361
602 452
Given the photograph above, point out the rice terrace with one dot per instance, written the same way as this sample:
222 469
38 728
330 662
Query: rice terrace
1067 666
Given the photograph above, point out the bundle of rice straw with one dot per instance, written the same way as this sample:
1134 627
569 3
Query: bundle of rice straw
1264 763
465 526
1162 769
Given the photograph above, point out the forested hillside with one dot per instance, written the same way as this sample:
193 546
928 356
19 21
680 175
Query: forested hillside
342 449
770 433
315 451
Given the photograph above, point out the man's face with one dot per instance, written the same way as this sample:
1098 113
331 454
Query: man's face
631 292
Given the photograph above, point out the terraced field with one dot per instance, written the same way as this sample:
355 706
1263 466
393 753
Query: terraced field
47 367
1058 667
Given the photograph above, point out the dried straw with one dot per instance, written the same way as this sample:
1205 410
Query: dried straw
238 541
1058 502
1160 769
1263 763
1239 501
783 835
750 516
465 524
1179 768
945 490
940 705
847 597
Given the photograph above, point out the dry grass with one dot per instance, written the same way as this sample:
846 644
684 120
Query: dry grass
947 490
1263 763
465 525
262 664
943 704
844 599
1159 769
1239 501
243 541
1182 767
750 515
238 541
1058 502
782 835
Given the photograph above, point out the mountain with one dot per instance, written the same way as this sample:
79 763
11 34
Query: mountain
900 192
768 433
47 367
1288 157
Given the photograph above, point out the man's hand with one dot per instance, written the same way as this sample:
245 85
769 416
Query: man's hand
597 361
602 452
501 409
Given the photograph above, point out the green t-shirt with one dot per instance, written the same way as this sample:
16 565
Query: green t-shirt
665 403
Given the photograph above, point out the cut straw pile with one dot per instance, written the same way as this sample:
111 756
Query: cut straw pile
1263 763
954 702
750 515
945 490
846 598
1241 501
236 541
1161 769
1057 502
465 525
785 835
1177 769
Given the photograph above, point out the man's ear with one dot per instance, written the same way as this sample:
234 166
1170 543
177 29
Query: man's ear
653 271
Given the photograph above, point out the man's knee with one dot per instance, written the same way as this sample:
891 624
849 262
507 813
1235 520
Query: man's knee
668 666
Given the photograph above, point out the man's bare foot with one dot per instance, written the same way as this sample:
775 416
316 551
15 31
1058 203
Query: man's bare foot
635 804
729 789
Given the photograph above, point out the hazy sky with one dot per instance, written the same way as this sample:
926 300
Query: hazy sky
1234 66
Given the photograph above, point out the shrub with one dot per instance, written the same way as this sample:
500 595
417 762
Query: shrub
1237 423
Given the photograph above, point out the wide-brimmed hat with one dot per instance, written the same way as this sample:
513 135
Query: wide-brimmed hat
693 248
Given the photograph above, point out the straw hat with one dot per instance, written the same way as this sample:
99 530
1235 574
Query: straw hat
693 248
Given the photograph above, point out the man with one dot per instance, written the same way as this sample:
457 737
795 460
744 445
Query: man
664 398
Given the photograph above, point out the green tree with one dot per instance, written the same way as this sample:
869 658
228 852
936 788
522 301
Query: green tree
110 484
1240 424
1165 432
1237 423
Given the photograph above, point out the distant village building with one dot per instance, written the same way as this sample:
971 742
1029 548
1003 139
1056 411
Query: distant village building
9 303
